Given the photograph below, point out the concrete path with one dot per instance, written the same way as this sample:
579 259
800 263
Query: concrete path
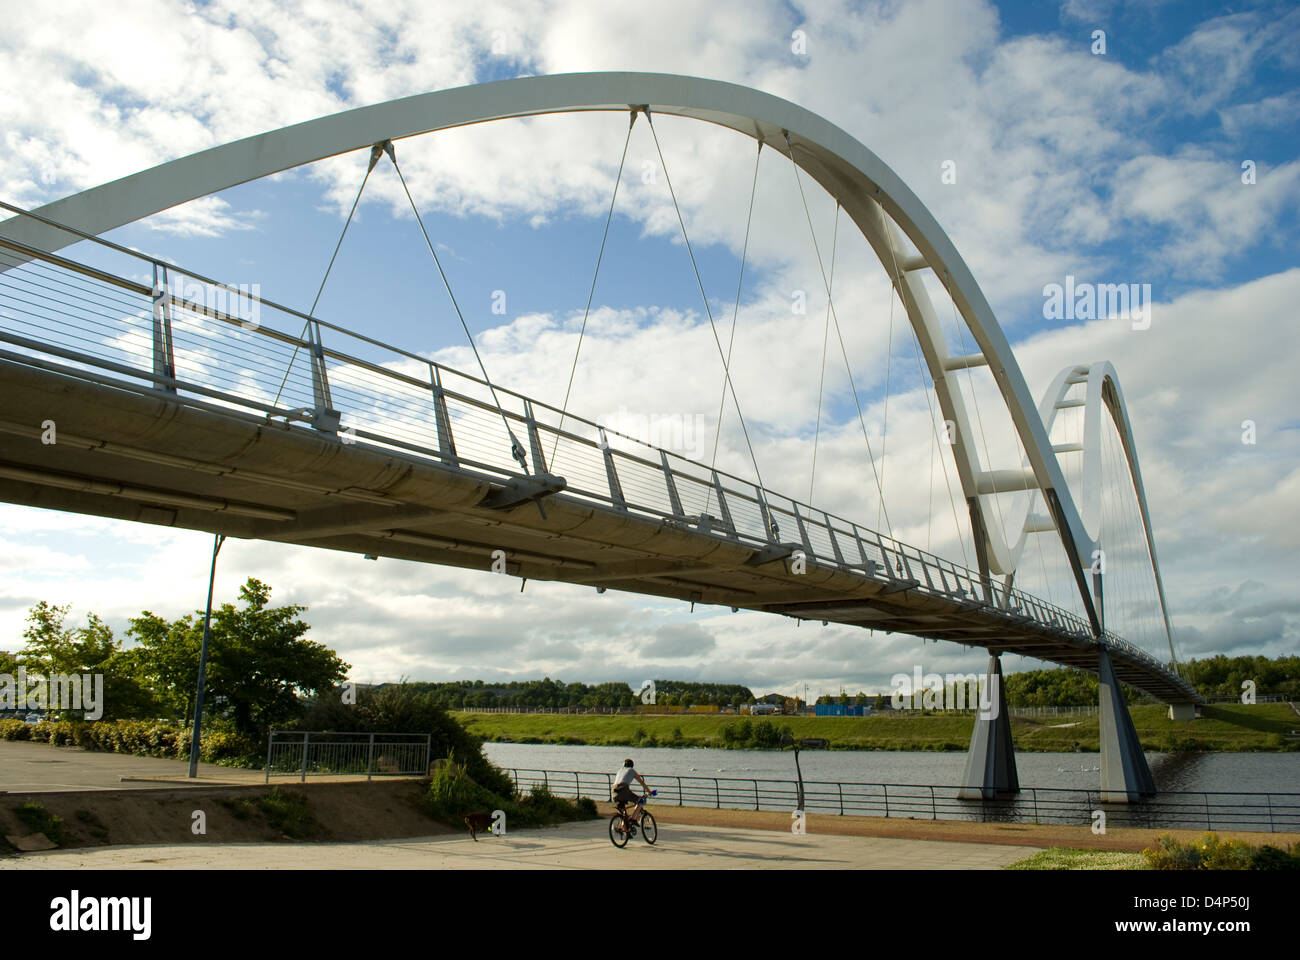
574 846
26 767
39 767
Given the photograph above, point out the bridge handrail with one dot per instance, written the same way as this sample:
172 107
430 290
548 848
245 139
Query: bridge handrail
898 563
1276 812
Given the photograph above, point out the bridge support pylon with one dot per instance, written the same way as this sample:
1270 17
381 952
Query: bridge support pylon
991 761
1125 776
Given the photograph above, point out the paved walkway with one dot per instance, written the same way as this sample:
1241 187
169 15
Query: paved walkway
39 767
574 846
26 767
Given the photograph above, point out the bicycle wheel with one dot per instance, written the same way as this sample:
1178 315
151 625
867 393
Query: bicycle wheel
616 834
649 829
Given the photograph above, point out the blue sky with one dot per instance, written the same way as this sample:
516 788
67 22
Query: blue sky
1119 167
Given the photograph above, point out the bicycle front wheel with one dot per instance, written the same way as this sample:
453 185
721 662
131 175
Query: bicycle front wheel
649 829
617 835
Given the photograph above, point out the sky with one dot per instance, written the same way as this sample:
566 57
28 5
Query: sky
1162 151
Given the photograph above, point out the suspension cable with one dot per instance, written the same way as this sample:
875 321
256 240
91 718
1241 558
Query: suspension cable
735 318
564 407
375 153
726 368
516 449
839 334
826 333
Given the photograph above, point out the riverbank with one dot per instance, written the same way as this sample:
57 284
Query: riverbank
1233 727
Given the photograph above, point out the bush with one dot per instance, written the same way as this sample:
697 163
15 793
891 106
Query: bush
1213 853
403 708
453 793
289 813
1269 857
15 730
39 820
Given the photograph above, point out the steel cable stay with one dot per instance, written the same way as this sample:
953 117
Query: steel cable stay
726 369
840 336
826 333
618 179
735 318
376 152
516 449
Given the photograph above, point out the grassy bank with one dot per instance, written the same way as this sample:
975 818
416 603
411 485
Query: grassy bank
1233 727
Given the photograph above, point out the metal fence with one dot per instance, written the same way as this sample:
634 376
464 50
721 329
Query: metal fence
156 328
304 753
1266 812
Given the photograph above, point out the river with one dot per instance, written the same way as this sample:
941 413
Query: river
1256 772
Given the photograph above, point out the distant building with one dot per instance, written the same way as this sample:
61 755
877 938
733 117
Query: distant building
842 710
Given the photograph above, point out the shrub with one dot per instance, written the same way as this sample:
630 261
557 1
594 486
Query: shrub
404 708
1269 857
15 730
453 793
1212 853
289 813
39 820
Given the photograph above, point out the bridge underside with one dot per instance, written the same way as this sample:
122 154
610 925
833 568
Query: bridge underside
145 456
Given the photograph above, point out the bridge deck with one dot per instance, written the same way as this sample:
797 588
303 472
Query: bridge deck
135 456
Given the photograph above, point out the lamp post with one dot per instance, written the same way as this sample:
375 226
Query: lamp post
203 661
788 740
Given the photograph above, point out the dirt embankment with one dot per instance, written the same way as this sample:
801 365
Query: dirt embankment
378 810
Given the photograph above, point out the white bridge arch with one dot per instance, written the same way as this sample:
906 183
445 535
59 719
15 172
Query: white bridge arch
870 193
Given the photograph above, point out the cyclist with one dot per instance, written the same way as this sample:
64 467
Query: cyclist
623 794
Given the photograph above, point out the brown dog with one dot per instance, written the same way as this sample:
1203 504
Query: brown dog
477 822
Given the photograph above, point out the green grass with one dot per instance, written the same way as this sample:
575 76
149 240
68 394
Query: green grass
1232 727
1064 858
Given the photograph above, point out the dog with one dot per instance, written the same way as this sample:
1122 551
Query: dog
477 822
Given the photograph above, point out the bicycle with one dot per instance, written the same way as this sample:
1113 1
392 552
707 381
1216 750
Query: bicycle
622 826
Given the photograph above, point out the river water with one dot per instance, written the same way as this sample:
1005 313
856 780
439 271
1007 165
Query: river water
1254 772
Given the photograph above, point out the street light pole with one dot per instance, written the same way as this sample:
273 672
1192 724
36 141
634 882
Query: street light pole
203 661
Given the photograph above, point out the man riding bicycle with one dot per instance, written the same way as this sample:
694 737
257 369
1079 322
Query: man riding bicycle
623 794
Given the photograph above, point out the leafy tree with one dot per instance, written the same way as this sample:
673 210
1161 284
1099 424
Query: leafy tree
259 660
54 648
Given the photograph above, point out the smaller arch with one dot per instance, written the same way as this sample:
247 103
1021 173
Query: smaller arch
1103 396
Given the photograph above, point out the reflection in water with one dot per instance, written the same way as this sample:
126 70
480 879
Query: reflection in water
1179 771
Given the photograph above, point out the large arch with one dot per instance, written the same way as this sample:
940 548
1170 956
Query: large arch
873 196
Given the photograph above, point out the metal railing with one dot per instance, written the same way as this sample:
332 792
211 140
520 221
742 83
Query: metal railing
319 753
208 343
1192 810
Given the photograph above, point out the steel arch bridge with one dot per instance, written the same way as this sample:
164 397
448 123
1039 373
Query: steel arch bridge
712 559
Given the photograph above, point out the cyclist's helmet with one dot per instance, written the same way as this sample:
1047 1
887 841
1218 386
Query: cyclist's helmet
627 762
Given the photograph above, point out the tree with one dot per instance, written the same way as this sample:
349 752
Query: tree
54 648
259 661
